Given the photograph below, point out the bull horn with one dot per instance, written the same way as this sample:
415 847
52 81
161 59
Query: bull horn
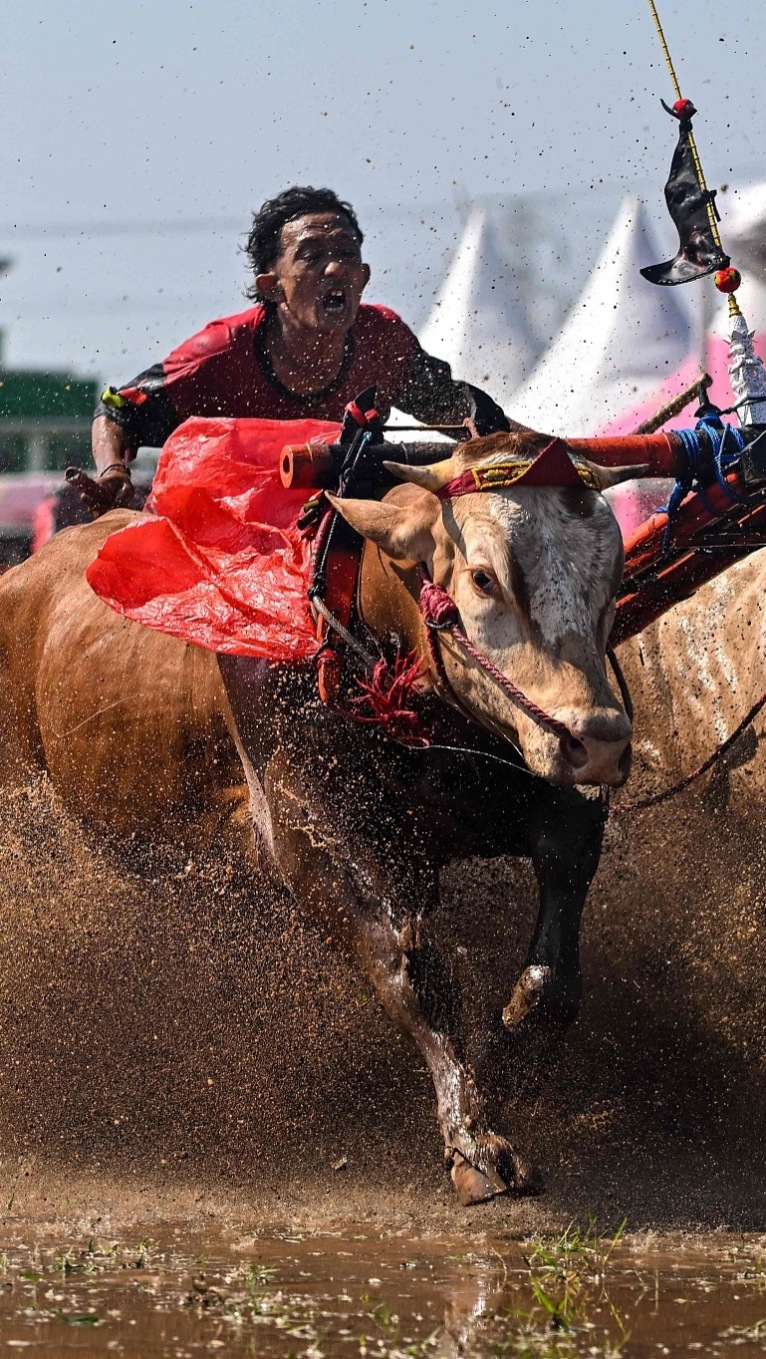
612 476
433 477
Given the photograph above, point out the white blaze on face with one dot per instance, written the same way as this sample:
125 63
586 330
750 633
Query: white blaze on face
553 557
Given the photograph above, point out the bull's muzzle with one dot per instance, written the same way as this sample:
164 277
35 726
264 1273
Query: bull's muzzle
597 749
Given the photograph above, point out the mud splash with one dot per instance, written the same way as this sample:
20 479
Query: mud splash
176 1028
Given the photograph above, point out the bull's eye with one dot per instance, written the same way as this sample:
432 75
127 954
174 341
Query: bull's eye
483 581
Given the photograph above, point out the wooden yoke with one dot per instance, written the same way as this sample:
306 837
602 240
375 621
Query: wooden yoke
662 453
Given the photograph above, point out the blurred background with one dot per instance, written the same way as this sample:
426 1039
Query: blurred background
507 165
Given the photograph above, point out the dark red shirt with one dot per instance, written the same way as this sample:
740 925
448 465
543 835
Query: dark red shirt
225 370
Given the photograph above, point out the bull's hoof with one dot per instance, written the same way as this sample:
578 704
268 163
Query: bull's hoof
479 1183
472 1185
528 992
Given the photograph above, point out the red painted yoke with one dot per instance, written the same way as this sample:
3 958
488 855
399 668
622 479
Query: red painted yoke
702 545
226 563
709 532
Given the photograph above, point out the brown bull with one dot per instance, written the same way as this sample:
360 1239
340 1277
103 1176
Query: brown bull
128 723
130 726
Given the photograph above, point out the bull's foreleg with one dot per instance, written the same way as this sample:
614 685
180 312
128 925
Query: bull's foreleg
565 846
411 983
359 895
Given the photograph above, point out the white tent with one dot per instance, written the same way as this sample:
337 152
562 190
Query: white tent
744 226
625 348
476 322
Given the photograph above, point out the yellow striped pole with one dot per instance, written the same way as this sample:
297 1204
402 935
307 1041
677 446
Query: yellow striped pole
715 233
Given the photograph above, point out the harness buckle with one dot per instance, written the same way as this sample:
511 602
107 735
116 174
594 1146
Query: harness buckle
311 512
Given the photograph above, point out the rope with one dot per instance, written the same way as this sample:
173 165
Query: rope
622 683
440 615
471 750
722 461
654 799
719 465
348 637
527 705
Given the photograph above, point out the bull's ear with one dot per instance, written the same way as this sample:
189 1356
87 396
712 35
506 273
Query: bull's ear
403 532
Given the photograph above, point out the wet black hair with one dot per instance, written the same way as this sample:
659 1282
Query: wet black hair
262 248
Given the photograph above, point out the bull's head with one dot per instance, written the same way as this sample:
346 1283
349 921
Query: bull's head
534 571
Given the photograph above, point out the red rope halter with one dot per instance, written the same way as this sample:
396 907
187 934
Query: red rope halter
440 614
552 466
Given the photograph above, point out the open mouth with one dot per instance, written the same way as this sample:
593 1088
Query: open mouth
334 301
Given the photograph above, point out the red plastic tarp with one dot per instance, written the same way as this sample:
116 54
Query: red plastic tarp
223 564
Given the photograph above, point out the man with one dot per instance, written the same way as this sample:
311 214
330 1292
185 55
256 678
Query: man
307 347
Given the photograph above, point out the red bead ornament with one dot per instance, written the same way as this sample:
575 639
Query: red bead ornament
727 280
684 108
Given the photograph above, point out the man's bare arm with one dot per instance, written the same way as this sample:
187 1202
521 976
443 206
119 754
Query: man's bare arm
110 445
111 451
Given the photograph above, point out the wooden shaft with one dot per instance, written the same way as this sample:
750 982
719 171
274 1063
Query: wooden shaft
674 407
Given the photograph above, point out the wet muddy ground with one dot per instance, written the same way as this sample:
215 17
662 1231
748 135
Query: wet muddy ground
355 1292
185 1062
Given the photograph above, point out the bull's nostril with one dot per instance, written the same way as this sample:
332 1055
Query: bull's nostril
574 751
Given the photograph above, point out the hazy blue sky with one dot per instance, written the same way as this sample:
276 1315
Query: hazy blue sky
139 114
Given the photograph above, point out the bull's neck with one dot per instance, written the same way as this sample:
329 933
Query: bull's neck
388 604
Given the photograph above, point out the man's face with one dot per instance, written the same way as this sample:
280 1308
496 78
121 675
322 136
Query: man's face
318 278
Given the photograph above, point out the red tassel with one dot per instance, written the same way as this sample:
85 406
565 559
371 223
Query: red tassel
386 693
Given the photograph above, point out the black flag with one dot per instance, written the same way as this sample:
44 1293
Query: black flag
687 203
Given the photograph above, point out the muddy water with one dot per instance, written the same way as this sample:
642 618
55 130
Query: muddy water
358 1293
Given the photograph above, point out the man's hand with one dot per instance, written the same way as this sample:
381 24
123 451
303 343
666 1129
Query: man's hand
112 490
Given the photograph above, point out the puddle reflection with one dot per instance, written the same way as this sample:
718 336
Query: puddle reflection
383 1297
